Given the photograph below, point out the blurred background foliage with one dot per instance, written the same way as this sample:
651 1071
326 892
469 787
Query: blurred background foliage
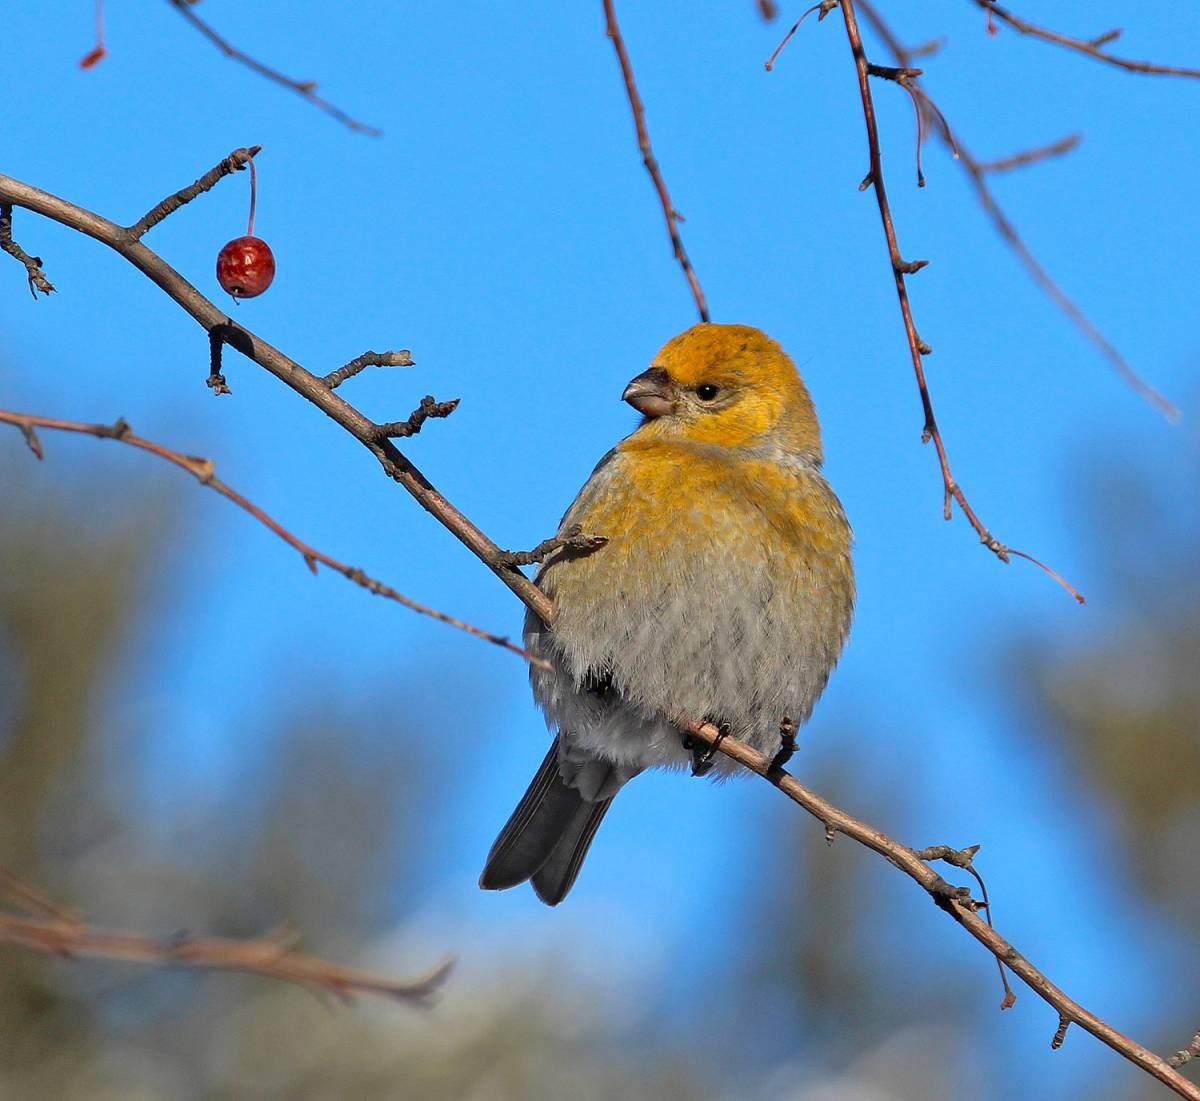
332 837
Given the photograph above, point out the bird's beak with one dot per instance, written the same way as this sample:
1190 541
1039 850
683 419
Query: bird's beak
650 393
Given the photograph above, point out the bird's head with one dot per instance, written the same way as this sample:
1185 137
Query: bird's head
727 385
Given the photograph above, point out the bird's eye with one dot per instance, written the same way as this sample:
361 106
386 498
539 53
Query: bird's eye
707 391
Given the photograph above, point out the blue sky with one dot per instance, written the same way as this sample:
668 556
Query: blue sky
504 230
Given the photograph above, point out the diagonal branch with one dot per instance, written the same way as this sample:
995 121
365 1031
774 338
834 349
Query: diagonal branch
917 347
954 901
1093 47
672 216
305 88
309 386
235 162
203 471
977 172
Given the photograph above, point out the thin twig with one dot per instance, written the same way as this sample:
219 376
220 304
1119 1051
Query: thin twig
402 358
965 859
917 348
203 471
1187 1054
305 88
824 7
1028 156
977 172
33 264
429 407
1093 47
955 901
572 537
672 216
273 956
235 162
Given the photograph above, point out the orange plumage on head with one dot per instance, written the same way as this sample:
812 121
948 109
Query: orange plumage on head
724 592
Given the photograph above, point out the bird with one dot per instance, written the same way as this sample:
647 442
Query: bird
724 591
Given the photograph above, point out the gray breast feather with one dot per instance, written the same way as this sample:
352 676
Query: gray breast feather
666 641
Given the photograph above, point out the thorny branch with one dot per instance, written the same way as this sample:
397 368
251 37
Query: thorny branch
305 88
954 901
57 932
977 171
672 216
203 470
1092 47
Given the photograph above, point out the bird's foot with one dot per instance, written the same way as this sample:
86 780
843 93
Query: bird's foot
703 753
787 744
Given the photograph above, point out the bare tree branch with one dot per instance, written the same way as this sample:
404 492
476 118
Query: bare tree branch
58 933
1093 47
1029 156
203 470
235 162
900 268
33 264
672 216
977 171
305 88
303 382
402 358
956 901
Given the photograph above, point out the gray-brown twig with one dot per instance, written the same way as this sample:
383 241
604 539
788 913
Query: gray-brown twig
235 162
305 88
672 216
203 471
402 358
573 537
430 407
33 264
952 491
977 172
951 900
1091 47
273 956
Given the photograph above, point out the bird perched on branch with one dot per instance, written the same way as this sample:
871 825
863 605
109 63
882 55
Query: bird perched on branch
724 593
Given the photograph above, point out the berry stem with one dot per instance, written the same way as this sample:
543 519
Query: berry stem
253 192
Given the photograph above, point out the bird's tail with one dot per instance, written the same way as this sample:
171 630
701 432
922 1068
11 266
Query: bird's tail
547 836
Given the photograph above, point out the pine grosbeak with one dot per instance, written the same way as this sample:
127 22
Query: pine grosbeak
724 592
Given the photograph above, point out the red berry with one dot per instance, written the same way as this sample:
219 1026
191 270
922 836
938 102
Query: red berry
245 267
